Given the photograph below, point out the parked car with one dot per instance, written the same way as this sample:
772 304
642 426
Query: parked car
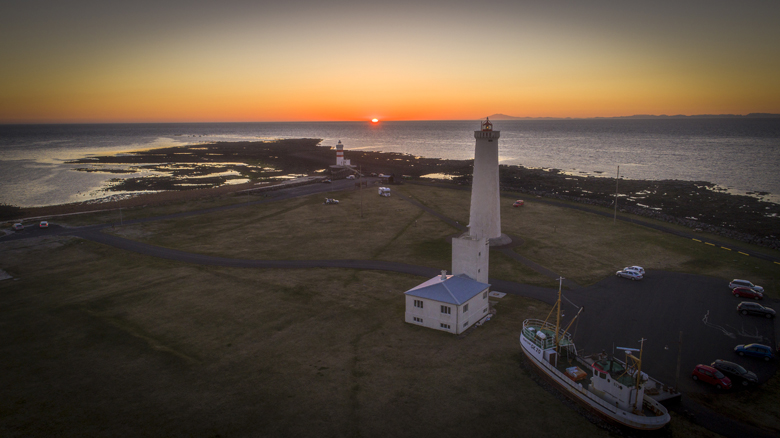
633 275
350 176
708 374
744 283
754 350
638 269
737 372
43 224
326 181
751 308
746 292
18 227
518 203
331 201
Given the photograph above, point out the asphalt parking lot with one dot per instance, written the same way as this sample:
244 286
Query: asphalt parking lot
620 312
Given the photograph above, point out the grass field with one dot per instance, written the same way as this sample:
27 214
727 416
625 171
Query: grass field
586 247
97 341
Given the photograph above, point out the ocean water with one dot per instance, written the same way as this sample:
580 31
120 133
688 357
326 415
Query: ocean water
741 155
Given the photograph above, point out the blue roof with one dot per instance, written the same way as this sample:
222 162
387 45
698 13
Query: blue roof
456 289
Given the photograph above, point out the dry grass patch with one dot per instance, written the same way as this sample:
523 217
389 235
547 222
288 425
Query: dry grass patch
114 216
449 202
504 268
556 238
423 241
300 228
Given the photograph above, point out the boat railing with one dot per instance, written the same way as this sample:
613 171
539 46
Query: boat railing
532 326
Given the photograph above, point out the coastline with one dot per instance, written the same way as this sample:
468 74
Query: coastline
219 169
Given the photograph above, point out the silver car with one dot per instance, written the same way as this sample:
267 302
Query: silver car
637 269
744 283
633 275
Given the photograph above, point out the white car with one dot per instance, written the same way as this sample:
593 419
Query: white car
350 176
43 224
633 275
637 269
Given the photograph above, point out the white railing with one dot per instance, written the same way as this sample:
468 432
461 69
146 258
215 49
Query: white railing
487 134
539 324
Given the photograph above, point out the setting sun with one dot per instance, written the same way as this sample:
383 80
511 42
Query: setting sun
374 120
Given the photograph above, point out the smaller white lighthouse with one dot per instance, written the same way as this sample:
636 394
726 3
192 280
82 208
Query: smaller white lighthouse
339 154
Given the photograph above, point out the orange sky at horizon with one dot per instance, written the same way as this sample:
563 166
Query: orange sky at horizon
358 61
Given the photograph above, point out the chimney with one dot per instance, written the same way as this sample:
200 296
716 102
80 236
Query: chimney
443 274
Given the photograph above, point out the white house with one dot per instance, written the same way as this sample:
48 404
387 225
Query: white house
452 303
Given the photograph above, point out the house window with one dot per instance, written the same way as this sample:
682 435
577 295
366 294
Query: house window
465 324
416 319
446 309
484 310
484 295
418 303
465 308
445 326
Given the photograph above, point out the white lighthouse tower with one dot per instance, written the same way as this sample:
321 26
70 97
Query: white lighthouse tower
485 214
471 251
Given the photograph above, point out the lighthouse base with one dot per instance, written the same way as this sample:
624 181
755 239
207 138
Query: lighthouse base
495 241
501 240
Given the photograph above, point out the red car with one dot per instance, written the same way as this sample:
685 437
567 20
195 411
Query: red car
747 292
518 203
710 375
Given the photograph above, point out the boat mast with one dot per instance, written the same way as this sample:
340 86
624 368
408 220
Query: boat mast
558 316
639 371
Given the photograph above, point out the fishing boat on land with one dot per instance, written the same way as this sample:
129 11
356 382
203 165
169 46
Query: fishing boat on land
616 390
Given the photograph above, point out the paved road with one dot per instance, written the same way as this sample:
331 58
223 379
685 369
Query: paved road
616 311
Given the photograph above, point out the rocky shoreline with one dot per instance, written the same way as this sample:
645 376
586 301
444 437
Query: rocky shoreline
698 205
197 171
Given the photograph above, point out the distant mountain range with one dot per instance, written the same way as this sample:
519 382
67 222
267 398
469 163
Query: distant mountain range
648 116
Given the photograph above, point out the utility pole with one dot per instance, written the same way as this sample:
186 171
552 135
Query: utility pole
679 355
617 179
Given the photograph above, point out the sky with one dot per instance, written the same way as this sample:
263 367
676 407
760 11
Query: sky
304 60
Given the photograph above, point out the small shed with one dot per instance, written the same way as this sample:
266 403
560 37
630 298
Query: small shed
451 303
389 179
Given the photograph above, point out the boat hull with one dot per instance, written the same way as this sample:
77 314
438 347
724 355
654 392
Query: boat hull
589 400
